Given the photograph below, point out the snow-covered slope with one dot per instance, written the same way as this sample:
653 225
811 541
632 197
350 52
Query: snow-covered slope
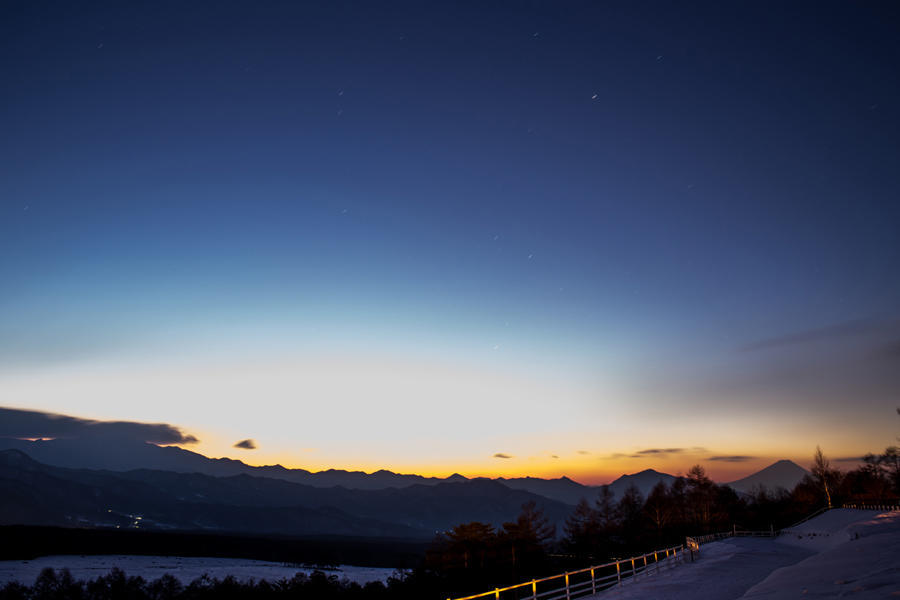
841 553
827 530
856 558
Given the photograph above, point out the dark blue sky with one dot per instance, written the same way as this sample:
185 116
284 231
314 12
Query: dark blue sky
579 188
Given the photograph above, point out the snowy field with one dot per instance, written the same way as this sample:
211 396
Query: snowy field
842 553
186 569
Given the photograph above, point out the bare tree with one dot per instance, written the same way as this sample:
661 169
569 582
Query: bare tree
823 474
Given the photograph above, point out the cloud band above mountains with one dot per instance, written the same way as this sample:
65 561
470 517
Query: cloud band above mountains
21 423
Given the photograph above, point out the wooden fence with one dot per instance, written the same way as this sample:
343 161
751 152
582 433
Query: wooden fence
584 582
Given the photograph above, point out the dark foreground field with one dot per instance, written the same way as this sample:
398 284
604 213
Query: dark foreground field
21 542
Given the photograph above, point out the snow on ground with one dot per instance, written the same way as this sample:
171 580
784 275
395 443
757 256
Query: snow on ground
724 570
186 569
826 530
842 553
860 560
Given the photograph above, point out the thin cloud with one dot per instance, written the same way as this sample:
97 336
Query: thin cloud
846 329
247 444
658 451
553 456
732 459
848 459
584 452
501 455
31 424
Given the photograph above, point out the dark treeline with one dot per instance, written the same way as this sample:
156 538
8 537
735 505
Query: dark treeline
476 557
60 585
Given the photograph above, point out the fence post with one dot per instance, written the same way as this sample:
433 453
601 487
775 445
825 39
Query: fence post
568 596
633 570
593 583
533 589
656 560
618 572
645 562
497 593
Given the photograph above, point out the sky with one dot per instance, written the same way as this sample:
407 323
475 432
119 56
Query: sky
494 238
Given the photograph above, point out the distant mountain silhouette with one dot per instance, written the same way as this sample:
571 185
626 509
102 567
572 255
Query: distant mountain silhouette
644 481
94 453
782 474
562 489
37 494
571 492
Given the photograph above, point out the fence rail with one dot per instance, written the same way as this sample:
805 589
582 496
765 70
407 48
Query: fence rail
693 543
600 577
584 582
885 507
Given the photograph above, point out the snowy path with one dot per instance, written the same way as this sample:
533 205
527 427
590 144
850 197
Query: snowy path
842 553
725 570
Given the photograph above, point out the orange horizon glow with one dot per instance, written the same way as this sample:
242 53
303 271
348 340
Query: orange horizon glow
599 472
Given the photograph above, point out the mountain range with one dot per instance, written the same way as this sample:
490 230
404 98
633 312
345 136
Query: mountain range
80 482
94 453
37 494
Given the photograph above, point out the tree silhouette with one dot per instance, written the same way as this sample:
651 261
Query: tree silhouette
659 507
630 509
582 528
470 541
527 535
606 509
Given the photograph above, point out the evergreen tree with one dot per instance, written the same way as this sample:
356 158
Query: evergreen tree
527 536
582 528
658 507
469 543
606 510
